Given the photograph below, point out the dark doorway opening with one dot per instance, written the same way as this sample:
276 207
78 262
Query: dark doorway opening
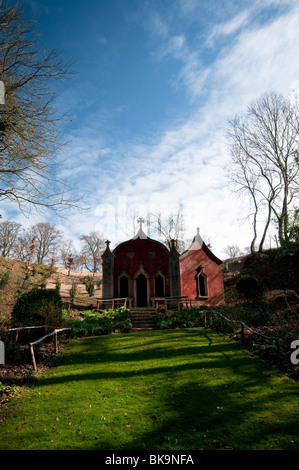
124 287
159 286
141 291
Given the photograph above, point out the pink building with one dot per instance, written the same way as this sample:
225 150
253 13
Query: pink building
144 270
201 274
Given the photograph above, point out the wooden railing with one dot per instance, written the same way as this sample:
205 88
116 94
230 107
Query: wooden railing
17 330
169 303
32 344
54 333
105 304
243 326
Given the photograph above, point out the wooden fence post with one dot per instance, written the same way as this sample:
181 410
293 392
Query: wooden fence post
33 357
56 342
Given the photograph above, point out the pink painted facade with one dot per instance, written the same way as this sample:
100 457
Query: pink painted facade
201 274
143 269
137 257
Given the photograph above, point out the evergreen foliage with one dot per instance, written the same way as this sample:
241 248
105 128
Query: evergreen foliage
38 307
250 287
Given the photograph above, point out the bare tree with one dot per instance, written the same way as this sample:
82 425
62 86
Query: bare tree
29 139
66 247
47 241
233 251
169 227
9 234
93 246
79 262
264 149
22 246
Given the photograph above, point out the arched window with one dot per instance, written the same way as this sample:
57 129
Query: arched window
124 290
141 287
201 283
159 286
141 291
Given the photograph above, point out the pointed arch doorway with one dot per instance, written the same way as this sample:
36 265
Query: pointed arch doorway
141 291
141 288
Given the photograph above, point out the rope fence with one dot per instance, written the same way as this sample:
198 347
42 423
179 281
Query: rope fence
243 327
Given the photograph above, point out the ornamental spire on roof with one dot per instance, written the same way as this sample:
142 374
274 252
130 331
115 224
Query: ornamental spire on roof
140 221
107 252
140 233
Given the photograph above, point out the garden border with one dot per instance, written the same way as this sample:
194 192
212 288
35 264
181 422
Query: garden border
243 325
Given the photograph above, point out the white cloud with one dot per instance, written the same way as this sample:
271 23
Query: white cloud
184 164
192 155
159 27
229 27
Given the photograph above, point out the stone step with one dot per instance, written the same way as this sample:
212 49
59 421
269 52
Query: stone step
143 318
141 315
142 311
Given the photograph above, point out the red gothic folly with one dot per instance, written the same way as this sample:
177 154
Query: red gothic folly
147 273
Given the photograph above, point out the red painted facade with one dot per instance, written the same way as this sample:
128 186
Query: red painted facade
141 256
201 274
143 269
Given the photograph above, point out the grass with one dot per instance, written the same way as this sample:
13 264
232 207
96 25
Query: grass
159 390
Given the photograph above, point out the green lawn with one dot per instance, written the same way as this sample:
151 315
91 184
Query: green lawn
159 390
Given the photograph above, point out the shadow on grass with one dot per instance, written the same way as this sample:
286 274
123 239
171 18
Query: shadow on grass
181 390
212 420
94 352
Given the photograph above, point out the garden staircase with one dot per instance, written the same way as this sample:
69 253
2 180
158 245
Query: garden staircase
143 318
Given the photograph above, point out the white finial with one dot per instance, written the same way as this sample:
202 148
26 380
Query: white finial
140 233
140 221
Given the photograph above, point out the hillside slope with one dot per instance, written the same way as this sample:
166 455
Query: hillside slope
82 299
277 272
17 277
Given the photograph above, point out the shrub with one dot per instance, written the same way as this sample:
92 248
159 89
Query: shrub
185 318
92 325
58 284
249 287
89 283
3 279
100 323
121 319
74 291
89 286
38 307
34 271
255 315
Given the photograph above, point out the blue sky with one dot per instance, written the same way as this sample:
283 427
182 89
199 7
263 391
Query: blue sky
156 83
